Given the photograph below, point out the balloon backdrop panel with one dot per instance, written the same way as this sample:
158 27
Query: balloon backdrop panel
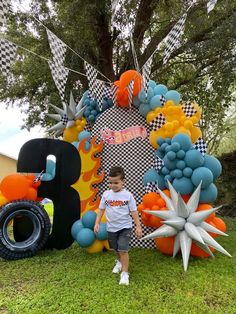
135 156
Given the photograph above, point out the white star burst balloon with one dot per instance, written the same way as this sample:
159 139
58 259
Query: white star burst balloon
67 116
187 225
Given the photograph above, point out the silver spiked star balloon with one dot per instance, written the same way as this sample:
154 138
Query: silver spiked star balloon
182 221
67 116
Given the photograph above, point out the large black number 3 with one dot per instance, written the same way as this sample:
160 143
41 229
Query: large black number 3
32 159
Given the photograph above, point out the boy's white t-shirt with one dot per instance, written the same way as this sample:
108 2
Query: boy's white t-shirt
118 206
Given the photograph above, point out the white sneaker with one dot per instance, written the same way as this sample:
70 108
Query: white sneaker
124 278
117 267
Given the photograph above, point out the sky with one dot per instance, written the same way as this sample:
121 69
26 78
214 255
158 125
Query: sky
11 135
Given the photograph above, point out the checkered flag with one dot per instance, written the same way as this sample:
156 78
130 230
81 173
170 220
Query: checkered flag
107 90
91 73
188 109
210 5
151 187
64 119
39 177
98 92
200 145
146 71
158 122
58 48
130 88
158 163
114 90
162 100
5 7
173 38
59 74
7 55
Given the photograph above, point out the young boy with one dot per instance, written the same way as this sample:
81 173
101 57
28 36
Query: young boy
119 204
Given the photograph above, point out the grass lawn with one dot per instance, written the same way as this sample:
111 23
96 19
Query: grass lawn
73 281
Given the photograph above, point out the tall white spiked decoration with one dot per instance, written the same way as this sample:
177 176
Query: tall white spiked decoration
187 225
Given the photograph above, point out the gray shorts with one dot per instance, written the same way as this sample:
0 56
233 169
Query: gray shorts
119 241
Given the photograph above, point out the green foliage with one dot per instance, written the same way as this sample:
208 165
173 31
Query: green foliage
202 68
73 281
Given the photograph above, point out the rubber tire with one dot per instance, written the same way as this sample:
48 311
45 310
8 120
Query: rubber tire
32 233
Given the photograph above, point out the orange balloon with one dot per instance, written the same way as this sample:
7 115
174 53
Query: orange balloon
196 251
117 83
161 203
150 199
14 186
140 207
122 98
165 245
31 194
185 198
213 235
154 221
166 192
220 224
127 77
206 207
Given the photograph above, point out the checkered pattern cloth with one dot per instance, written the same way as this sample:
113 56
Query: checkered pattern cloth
130 88
146 71
58 48
158 163
7 55
59 74
162 100
64 119
5 7
188 109
200 145
91 73
173 38
158 122
151 187
99 92
135 156
210 5
114 90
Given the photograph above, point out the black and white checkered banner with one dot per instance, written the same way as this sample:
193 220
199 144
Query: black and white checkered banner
99 92
151 187
158 163
158 122
58 48
210 5
59 74
91 73
200 145
7 55
5 7
146 71
173 38
162 100
188 109
114 90
130 88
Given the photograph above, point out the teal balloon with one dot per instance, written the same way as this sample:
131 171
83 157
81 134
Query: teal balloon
160 89
88 219
171 155
150 94
84 134
183 140
170 164
144 109
204 175
91 118
187 172
173 95
209 194
165 171
194 159
160 141
85 237
151 175
152 84
161 181
213 164
169 149
76 227
136 102
142 96
168 140
102 233
159 153
168 177
163 146
183 185
175 147
86 102
180 154
177 173
180 164
155 102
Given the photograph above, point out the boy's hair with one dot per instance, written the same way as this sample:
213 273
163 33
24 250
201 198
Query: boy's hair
117 171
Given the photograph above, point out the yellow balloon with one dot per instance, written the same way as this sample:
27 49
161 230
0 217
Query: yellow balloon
195 133
70 134
150 116
188 124
182 129
153 139
96 247
3 200
106 244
